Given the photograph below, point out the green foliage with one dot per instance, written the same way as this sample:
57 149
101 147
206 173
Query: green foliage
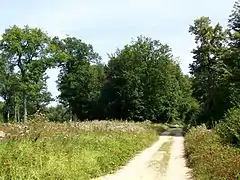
79 81
229 127
57 114
24 53
234 20
208 157
213 154
70 151
9 88
142 81
216 68
232 60
210 74
145 82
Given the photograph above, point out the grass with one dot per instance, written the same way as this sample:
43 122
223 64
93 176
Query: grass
40 150
209 157
166 147
161 158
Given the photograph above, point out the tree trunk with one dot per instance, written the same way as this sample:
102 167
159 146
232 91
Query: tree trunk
25 107
15 112
15 109
8 115
71 116
18 114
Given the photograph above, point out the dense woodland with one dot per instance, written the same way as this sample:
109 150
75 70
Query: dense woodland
142 81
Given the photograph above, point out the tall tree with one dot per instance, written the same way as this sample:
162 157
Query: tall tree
9 88
26 50
79 81
233 57
208 69
143 83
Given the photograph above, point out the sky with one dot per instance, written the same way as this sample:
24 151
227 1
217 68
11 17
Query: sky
110 24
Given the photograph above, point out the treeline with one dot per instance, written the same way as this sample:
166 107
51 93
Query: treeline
142 81
216 85
215 73
216 67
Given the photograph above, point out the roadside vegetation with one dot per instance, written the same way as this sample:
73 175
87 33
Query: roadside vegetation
213 147
210 157
84 150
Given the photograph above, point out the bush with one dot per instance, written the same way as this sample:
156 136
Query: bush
208 157
57 114
229 127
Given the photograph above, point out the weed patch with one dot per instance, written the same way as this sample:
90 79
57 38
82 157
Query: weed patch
70 150
209 157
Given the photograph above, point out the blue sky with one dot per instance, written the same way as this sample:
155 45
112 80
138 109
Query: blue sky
110 24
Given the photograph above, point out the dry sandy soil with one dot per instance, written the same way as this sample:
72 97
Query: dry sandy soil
164 160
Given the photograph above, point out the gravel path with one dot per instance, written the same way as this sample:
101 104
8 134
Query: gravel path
177 169
154 163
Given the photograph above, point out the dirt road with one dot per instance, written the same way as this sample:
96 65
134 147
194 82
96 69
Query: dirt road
163 160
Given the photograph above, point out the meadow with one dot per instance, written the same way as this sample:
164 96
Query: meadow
77 150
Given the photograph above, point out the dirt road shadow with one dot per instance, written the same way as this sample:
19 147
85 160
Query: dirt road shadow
177 132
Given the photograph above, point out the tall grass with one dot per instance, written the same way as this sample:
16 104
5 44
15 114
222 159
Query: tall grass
209 157
40 150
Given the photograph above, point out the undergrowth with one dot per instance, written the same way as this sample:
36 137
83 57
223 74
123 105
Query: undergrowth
229 128
210 157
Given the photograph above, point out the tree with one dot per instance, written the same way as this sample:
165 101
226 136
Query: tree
26 50
9 88
233 57
209 71
79 81
57 114
143 83
39 97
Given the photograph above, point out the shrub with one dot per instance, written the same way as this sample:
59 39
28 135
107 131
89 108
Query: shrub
208 157
229 127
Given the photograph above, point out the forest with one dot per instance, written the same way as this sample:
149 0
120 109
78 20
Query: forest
141 82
